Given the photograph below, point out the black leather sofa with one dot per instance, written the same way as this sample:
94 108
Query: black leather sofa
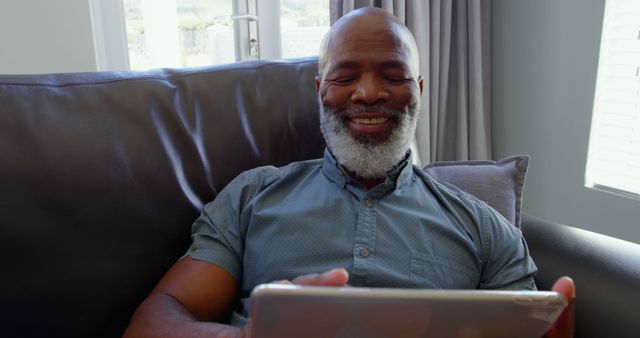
102 174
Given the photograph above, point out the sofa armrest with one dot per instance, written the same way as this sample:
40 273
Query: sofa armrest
606 271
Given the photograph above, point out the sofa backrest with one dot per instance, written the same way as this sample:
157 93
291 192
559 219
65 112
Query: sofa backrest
102 174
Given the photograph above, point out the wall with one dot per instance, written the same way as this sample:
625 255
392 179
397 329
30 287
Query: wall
544 61
43 36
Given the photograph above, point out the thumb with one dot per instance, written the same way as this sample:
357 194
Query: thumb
564 325
335 277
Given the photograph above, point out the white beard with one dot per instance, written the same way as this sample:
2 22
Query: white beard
365 156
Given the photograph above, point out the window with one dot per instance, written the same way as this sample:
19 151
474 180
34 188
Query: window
178 33
613 162
303 24
186 33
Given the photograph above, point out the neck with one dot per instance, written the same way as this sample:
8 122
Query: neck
370 182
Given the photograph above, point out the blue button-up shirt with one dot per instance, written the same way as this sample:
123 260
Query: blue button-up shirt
409 232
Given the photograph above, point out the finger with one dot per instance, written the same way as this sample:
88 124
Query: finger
234 332
566 287
335 277
246 330
564 325
282 281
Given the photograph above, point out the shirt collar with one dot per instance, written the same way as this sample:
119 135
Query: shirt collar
395 177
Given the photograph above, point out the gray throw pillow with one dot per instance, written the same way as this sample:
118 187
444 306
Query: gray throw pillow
498 183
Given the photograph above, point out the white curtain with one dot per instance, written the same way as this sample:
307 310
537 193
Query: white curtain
453 39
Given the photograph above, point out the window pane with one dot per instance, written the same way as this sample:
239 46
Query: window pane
179 33
303 24
613 162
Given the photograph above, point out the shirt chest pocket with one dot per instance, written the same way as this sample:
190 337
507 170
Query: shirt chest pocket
433 272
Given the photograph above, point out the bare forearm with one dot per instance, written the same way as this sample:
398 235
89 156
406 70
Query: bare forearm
163 316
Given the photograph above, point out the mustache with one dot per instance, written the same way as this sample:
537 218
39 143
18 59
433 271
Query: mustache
410 108
352 112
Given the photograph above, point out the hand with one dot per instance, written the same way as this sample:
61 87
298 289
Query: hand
563 327
335 277
235 332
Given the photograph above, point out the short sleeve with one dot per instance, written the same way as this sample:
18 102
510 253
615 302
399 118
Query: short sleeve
507 263
218 233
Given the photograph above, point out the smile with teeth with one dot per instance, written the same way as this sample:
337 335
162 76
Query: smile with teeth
369 121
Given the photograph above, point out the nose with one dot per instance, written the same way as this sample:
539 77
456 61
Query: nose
369 91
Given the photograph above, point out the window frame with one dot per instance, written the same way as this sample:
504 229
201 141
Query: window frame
110 36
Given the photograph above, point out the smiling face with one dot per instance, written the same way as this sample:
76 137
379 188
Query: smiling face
368 91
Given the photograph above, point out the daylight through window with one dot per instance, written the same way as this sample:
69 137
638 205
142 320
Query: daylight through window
614 147
187 33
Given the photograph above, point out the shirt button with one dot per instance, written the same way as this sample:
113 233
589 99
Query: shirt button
369 202
364 252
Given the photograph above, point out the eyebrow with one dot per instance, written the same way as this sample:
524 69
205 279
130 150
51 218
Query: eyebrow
345 65
390 64
394 64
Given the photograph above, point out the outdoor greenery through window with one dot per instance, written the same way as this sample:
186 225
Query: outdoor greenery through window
187 33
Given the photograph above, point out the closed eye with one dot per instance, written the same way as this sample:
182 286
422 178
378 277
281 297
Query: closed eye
342 80
395 79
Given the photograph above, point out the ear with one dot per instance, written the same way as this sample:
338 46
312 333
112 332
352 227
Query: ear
420 83
318 84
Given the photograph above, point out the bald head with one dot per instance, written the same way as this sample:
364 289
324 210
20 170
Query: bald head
368 24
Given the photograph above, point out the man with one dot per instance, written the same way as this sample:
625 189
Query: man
363 214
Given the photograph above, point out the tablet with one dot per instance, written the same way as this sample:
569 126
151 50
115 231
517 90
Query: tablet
282 310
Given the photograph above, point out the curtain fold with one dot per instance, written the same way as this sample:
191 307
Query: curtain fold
454 44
